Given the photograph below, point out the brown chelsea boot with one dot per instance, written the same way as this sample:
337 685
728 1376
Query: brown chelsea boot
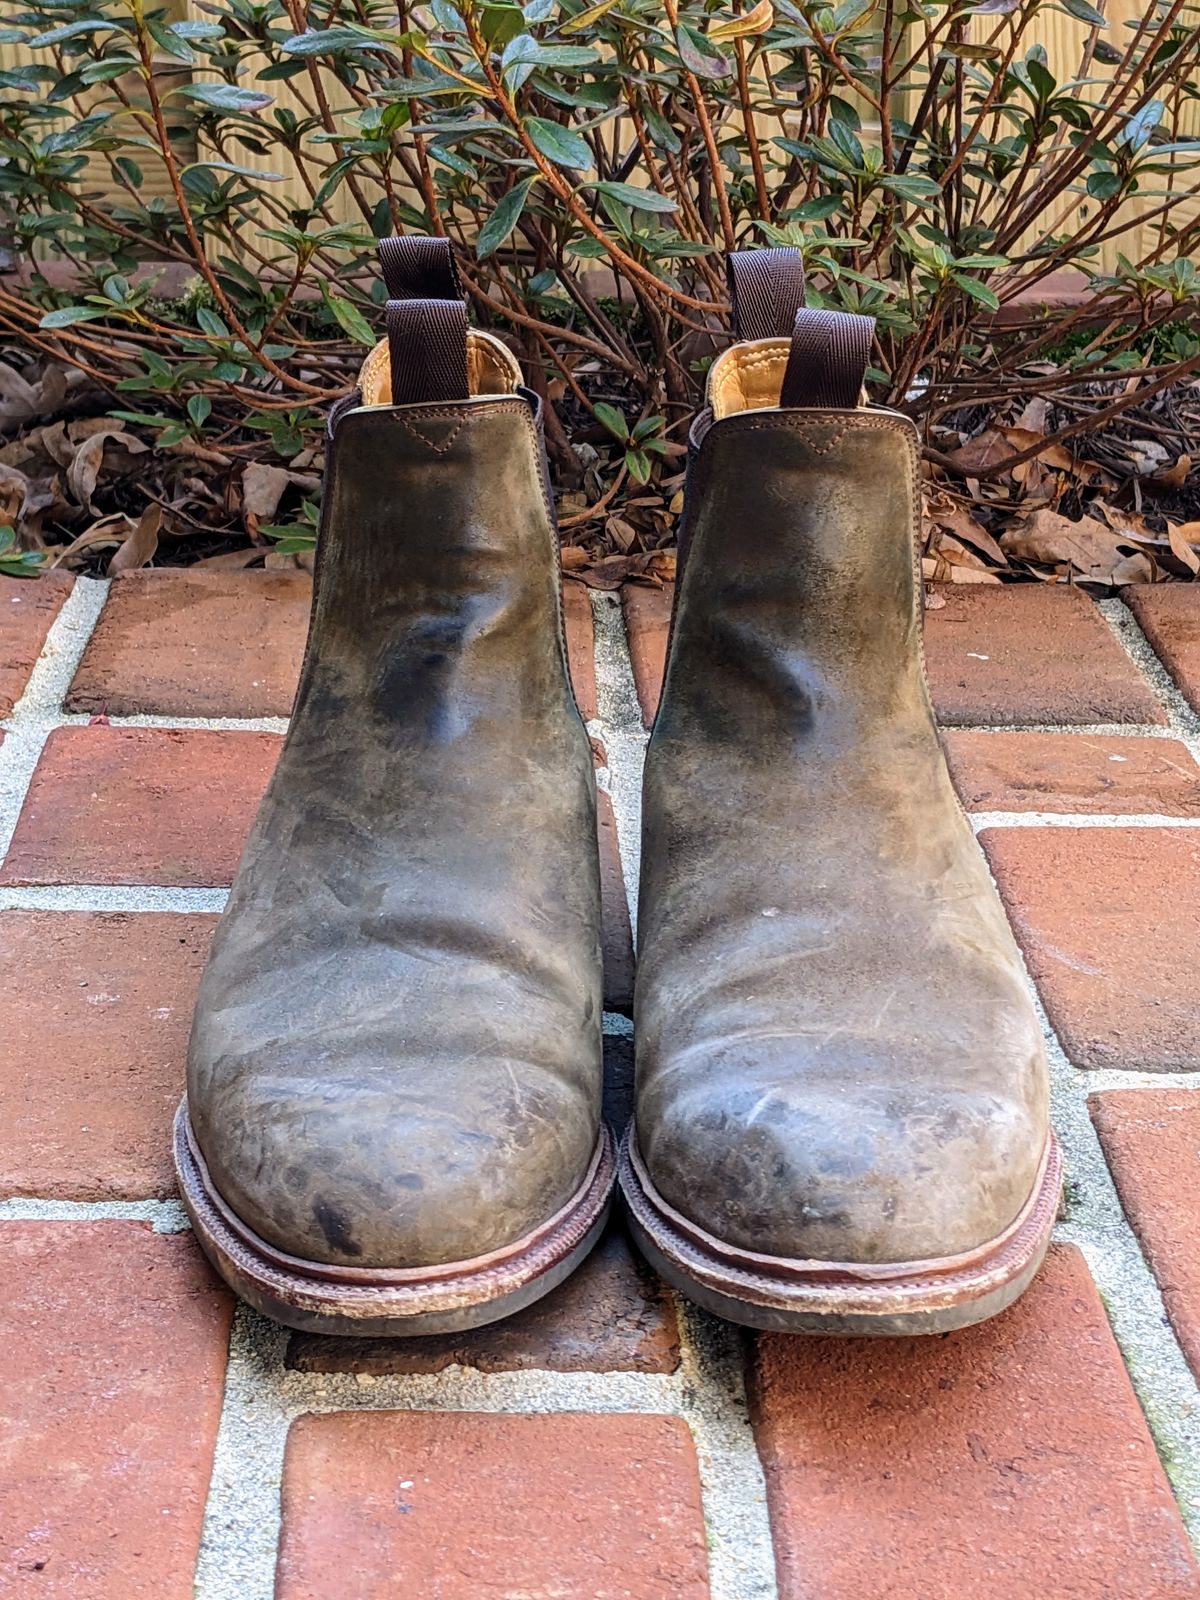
392 1122
841 1117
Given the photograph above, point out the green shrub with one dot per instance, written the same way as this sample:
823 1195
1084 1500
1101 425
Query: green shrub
591 162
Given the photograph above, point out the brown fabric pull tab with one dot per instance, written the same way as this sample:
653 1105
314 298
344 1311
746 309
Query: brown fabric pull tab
828 360
767 290
426 320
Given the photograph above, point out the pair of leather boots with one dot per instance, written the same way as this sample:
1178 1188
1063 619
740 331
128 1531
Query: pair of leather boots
393 1118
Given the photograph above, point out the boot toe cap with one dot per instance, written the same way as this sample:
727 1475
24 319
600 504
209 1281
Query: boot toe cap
364 1176
826 1174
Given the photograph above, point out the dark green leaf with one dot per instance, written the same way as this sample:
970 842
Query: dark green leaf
639 465
1103 185
627 194
349 318
327 42
502 23
211 323
977 291
503 219
226 96
525 48
167 39
612 419
66 315
1086 13
73 30
558 144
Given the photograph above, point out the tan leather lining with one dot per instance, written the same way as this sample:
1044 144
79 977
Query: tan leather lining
491 369
749 377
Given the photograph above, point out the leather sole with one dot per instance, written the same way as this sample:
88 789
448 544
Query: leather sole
841 1298
376 1302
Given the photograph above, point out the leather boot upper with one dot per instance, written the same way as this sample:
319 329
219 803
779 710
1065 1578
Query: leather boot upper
837 1057
396 1056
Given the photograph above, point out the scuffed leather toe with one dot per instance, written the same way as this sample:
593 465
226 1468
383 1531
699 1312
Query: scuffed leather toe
829 1171
364 1170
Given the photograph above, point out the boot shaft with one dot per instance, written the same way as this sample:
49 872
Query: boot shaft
437 610
798 601
437 599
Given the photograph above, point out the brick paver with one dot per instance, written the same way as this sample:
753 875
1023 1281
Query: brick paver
1018 654
580 631
94 1016
1008 1461
611 1315
647 624
195 643
1073 773
1029 653
1004 1462
1152 1140
464 1505
1169 614
114 1343
140 805
1109 920
28 606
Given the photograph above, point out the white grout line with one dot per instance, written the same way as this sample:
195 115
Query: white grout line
1099 1080
1095 730
206 724
262 1397
112 897
713 1399
1183 721
1097 1224
1076 819
620 726
238 1551
62 652
148 719
168 1216
40 707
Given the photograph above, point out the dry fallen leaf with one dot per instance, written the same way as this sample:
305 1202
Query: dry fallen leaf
1181 548
87 459
262 490
1137 567
623 534
138 550
960 574
232 560
1176 476
107 530
1087 545
986 449
947 514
